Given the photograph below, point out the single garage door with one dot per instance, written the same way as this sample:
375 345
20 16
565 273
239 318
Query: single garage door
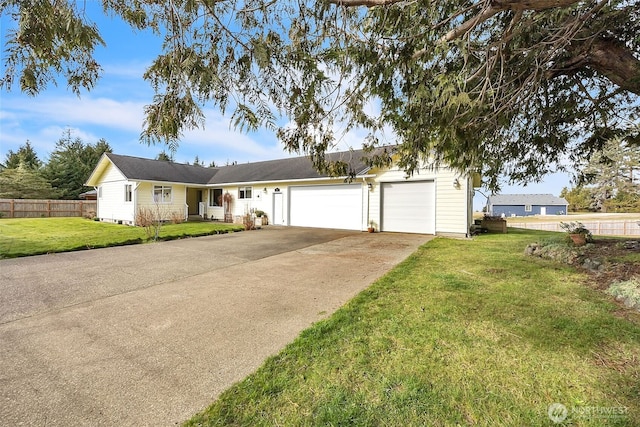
326 206
409 207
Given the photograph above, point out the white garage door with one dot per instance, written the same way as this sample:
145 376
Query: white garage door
326 206
408 207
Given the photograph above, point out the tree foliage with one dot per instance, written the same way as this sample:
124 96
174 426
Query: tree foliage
164 156
500 86
24 182
71 163
609 180
579 198
614 176
25 155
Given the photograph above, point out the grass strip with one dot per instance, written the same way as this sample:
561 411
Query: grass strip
34 236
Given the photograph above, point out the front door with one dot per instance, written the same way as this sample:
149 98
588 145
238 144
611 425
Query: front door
543 210
278 209
194 197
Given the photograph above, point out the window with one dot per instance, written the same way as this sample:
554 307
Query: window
527 208
244 192
162 193
215 197
127 193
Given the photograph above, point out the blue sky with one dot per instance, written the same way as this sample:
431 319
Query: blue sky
113 110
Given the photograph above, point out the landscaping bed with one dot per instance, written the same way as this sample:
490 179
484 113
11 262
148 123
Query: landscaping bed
610 265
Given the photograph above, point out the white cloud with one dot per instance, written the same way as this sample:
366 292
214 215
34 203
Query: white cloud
124 115
219 142
133 70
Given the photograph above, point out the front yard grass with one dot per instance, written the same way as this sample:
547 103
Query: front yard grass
462 333
33 236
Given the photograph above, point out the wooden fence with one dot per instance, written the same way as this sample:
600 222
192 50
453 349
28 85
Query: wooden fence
599 228
33 208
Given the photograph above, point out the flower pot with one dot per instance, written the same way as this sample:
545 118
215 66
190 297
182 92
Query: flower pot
371 229
578 239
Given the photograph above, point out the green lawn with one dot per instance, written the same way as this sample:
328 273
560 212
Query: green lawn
32 236
462 333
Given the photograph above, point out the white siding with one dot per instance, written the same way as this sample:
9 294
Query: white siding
112 206
453 214
260 200
452 210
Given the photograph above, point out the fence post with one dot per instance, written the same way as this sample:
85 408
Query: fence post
80 208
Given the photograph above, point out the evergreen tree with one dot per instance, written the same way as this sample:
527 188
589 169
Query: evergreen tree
71 163
612 176
579 198
25 155
164 156
24 182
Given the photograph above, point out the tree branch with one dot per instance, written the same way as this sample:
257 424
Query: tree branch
615 61
367 3
531 4
470 24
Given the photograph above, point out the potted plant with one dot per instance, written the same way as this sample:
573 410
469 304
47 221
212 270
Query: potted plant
579 234
260 218
496 224
372 226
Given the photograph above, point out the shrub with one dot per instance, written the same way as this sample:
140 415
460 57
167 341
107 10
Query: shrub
151 220
627 292
144 217
248 222
176 217
576 227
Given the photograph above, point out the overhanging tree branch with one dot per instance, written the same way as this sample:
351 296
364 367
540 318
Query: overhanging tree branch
367 3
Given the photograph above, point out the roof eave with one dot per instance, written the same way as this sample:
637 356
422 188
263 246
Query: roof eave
280 181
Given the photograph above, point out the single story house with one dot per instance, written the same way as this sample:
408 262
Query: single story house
291 193
526 205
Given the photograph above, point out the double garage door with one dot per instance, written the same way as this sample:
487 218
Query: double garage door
326 206
406 207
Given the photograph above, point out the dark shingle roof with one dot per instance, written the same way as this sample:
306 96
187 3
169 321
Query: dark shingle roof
284 169
526 199
137 168
141 169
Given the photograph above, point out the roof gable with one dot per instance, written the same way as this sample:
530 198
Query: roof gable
526 199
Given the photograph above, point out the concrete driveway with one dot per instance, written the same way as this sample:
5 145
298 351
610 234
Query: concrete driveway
151 334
